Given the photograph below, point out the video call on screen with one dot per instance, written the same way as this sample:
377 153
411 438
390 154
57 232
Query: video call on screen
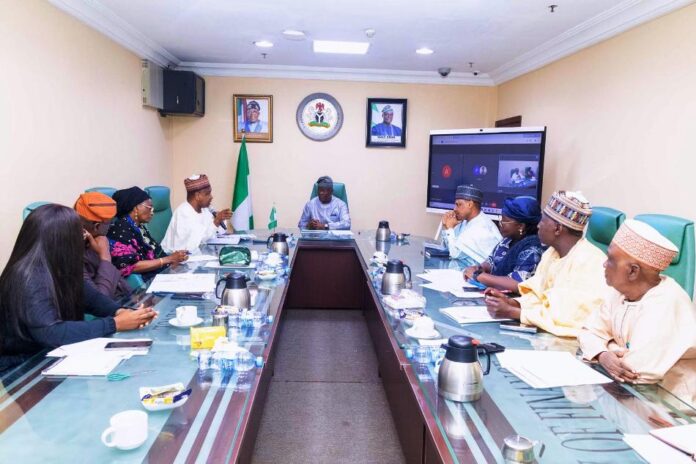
501 165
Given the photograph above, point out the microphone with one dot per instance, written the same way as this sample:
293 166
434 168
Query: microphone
214 213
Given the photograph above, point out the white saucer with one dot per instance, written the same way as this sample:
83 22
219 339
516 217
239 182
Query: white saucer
175 322
131 446
429 336
266 276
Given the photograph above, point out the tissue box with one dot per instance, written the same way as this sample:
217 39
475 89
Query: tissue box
203 338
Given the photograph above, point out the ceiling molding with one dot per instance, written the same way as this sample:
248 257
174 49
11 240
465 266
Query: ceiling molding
614 21
101 18
343 74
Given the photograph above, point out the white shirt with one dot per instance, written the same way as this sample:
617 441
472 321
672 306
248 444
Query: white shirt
475 238
189 229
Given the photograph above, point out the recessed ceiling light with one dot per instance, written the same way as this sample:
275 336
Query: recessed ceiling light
294 34
334 46
424 51
263 44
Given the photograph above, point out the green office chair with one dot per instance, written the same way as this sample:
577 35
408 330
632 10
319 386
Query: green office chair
31 207
135 281
604 223
108 191
163 211
339 191
679 231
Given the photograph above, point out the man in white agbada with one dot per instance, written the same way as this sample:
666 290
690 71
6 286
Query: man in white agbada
193 223
646 330
466 230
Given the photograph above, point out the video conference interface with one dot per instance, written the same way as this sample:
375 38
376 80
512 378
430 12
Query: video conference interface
501 165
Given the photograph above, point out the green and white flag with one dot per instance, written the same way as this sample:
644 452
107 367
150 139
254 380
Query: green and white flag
272 219
242 215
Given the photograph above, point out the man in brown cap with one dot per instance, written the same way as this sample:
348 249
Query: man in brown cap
568 284
96 211
646 330
193 222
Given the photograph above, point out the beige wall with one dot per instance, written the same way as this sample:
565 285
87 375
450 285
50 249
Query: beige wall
381 183
621 117
70 114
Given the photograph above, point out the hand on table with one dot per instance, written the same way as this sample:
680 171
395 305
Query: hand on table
316 224
130 319
616 367
501 306
179 256
469 272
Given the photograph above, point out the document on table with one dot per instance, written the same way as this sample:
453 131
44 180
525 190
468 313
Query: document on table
446 280
201 258
682 437
469 314
217 265
654 451
225 240
182 283
341 233
95 345
548 369
97 363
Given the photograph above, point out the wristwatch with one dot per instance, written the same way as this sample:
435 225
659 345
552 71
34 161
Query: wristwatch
326 227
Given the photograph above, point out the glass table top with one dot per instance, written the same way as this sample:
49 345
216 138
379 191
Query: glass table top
576 424
44 418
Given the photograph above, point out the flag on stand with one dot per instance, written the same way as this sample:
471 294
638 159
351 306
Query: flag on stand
242 215
272 219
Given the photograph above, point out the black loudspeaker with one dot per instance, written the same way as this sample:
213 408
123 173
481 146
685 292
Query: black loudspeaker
184 93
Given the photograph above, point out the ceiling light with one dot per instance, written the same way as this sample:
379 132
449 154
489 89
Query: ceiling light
294 34
370 33
424 51
263 44
334 46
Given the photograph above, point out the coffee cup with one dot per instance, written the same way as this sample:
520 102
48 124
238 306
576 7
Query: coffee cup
423 326
380 257
274 258
186 315
128 430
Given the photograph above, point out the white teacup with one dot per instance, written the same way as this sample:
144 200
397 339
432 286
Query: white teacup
128 430
380 257
186 315
423 325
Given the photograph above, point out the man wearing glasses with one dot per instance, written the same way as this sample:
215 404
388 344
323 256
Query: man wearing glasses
96 211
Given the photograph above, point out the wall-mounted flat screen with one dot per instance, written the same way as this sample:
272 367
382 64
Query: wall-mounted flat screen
504 162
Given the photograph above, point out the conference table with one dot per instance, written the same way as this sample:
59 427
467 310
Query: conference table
54 419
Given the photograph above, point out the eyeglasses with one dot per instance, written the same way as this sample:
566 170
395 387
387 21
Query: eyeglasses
150 207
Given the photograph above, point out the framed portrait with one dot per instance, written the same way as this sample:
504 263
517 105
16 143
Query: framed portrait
253 118
386 122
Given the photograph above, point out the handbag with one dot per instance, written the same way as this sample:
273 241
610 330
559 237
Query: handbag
235 256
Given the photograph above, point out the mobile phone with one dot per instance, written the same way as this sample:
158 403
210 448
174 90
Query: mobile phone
129 345
516 326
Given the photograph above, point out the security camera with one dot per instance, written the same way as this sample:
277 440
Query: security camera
476 73
444 72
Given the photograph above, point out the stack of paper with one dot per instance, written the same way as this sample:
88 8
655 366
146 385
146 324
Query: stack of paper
225 240
95 345
469 314
448 280
548 369
201 258
182 283
96 363
654 450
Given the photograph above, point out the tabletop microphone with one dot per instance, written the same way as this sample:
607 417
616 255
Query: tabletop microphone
214 213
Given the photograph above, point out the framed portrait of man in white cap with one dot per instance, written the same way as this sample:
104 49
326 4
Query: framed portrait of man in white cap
386 122
253 118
